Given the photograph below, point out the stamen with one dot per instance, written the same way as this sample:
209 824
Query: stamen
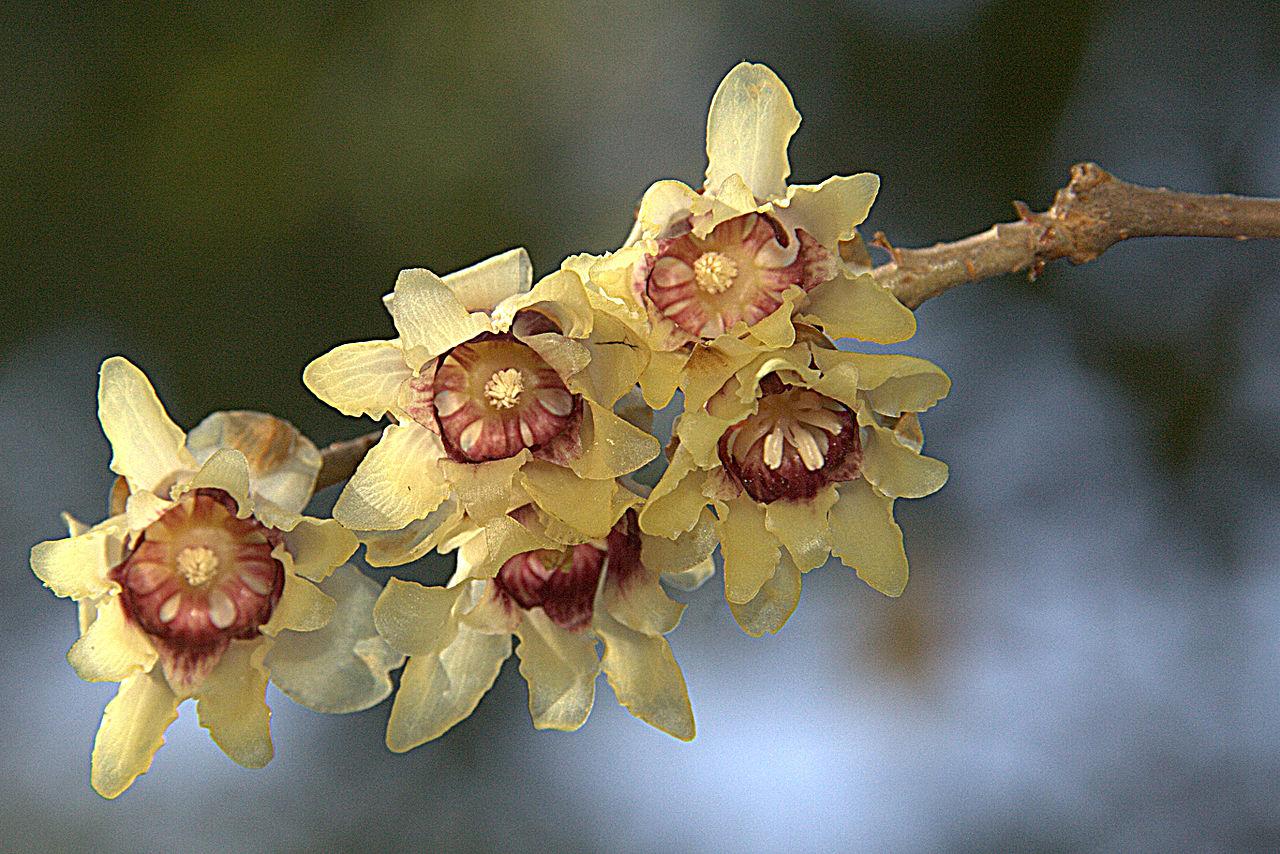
503 388
197 565
714 272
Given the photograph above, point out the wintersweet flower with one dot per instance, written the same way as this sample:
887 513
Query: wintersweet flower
527 575
209 582
500 393
802 452
736 262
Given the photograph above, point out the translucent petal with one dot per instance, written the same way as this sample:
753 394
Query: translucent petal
664 203
896 470
413 618
360 378
485 489
482 286
672 556
283 464
439 689
345 666
589 506
894 383
677 502
858 307
865 537
144 507
227 470
693 577
112 649
749 126
645 676
662 376
566 355
502 539
561 669
232 704
750 552
302 607
832 210
618 358
394 548
77 567
147 447
429 317
317 546
776 331
397 482
560 296
803 528
611 447
769 611
641 604
131 731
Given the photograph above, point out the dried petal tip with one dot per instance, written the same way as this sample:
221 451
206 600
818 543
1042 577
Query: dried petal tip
797 442
198 578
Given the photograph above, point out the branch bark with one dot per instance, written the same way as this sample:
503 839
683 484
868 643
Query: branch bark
1093 212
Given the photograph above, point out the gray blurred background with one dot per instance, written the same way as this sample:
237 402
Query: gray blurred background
1088 654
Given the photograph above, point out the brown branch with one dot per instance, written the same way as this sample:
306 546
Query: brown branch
1093 212
341 458
1089 215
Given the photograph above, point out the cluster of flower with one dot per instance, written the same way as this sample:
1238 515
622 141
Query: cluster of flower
518 414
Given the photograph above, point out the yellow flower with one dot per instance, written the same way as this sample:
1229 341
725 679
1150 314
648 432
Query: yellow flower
209 583
730 266
802 452
500 393
527 575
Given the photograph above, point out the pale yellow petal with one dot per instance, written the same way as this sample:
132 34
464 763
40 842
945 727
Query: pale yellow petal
560 667
749 127
802 527
147 447
302 607
662 376
776 331
77 567
142 508
398 481
897 470
429 317
318 546
866 538
360 378
232 704
113 648
645 676
485 490
857 307
502 539
618 358
227 470
394 548
769 611
750 552
586 505
439 689
641 604
832 210
482 286
894 383
676 503
664 203
692 578
345 666
131 731
611 447
559 296
687 551
413 617
566 355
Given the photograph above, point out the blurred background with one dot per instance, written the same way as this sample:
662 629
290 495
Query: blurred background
1088 654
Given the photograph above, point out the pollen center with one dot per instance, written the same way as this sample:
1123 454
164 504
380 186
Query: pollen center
197 565
503 388
714 272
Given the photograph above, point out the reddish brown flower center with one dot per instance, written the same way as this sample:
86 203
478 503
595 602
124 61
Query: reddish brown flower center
797 442
198 578
739 271
495 396
563 582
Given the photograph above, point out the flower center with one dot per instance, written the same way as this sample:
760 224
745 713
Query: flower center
714 272
197 565
504 387
797 442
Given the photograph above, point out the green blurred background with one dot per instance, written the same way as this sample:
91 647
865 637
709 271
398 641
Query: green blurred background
1088 655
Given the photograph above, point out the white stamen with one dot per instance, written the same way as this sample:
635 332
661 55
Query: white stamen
714 272
773 448
503 388
197 565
